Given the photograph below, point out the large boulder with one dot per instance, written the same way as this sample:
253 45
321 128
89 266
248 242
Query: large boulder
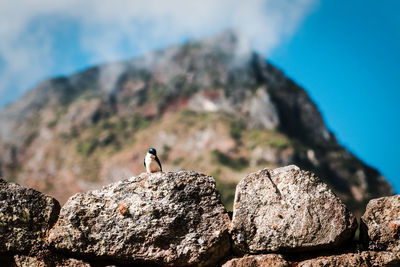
288 210
265 260
364 259
161 218
26 216
380 224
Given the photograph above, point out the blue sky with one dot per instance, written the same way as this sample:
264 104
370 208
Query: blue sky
344 53
347 56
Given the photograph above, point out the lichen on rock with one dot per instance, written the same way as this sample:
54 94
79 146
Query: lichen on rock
364 258
54 261
380 224
26 216
263 260
173 218
288 210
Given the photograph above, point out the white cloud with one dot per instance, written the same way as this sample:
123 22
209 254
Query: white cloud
142 25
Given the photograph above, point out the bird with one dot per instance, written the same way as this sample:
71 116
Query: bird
151 161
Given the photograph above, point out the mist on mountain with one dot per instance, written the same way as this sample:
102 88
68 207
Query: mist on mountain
208 105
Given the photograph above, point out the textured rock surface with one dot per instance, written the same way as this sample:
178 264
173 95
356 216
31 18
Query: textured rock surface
26 261
160 218
288 209
273 260
26 216
380 224
365 258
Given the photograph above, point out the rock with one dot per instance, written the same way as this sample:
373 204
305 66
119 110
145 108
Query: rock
380 224
161 218
26 216
266 260
365 258
288 210
26 261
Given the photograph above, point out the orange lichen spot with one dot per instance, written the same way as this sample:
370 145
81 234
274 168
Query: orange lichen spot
123 210
395 225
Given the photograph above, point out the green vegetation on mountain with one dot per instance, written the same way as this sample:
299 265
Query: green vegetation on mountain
202 105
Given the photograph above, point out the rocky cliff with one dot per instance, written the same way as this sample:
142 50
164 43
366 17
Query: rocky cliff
281 217
205 105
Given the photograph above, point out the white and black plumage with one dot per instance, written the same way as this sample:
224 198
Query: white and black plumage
151 161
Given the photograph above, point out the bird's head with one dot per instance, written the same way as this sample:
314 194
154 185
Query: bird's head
152 151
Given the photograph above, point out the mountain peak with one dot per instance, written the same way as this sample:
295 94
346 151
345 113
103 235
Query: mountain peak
209 105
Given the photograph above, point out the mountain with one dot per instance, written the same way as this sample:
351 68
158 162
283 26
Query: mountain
208 105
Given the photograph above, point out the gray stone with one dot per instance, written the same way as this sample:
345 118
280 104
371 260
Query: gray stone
364 259
266 260
26 216
161 218
380 224
287 210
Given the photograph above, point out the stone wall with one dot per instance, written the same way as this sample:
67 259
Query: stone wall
281 217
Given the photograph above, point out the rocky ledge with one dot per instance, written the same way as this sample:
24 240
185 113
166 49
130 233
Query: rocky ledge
163 218
281 217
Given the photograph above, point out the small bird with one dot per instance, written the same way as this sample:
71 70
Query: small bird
151 161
